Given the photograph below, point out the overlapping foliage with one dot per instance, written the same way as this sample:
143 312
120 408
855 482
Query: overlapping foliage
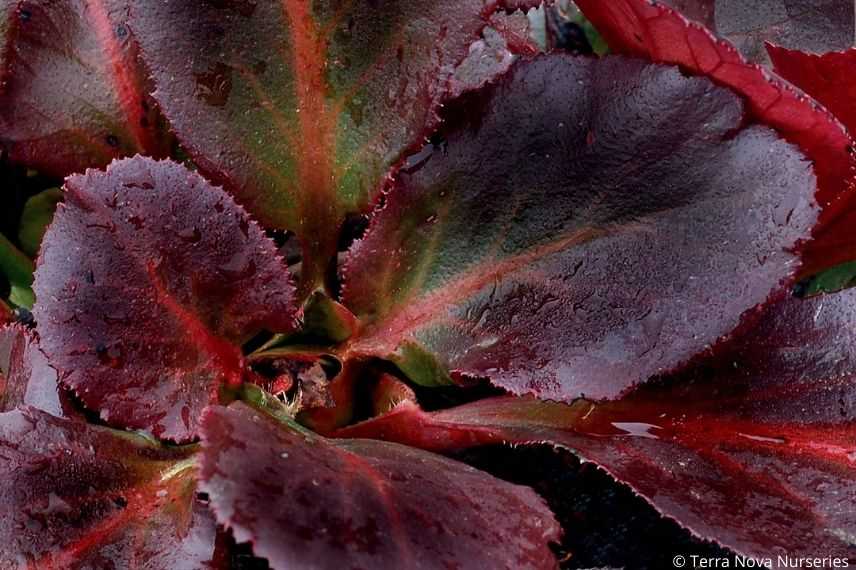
298 242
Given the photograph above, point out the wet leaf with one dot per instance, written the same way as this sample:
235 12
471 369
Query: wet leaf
300 108
149 281
655 32
72 91
303 500
78 496
603 257
764 431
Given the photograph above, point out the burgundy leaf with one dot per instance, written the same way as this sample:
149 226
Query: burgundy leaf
77 496
306 501
6 315
299 108
605 256
26 378
754 448
149 282
72 91
830 78
656 32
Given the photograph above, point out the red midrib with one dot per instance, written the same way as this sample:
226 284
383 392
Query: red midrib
225 355
315 194
129 97
413 313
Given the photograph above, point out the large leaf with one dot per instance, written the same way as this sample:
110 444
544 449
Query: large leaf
72 91
26 378
817 26
764 432
149 282
298 107
78 496
605 255
656 32
305 501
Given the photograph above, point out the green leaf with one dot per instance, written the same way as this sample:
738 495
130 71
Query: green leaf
835 279
38 213
18 269
300 108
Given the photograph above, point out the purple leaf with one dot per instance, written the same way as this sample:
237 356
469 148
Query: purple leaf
605 256
303 500
655 32
299 108
149 281
754 447
73 93
78 496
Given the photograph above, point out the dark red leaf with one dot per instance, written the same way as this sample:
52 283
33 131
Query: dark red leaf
72 91
830 78
6 315
299 108
149 282
658 33
304 500
26 378
754 448
78 496
606 255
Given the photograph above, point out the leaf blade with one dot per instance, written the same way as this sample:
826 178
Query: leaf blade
361 501
765 426
658 33
166 278
79 496
531 276
315 113
74 94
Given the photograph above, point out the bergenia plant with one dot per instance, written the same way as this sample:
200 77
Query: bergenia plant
596 253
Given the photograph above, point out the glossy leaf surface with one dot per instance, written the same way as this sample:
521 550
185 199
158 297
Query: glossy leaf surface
303 501
605 256
26 378
658 33
300 108
72 92
149 281
78 496
764 432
